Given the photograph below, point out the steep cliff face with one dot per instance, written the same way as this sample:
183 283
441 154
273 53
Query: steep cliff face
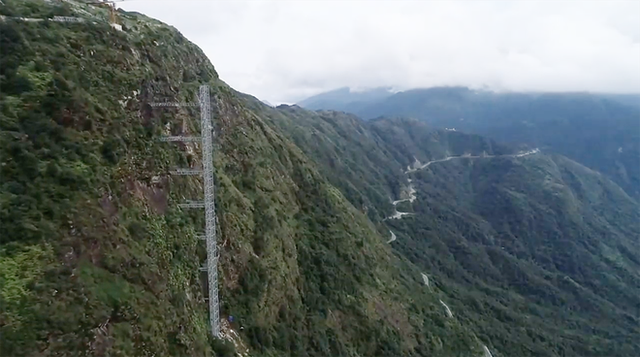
95 256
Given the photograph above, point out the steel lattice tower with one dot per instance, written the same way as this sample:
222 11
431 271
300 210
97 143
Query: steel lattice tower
209 209
209 205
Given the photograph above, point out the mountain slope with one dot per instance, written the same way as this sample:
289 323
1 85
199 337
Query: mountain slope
95 256
329 139
322 237
600 131
536 243
535 252
356 157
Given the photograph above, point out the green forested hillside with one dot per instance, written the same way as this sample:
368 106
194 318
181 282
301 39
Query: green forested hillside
600 131
97 260
541 250
367 176
538 253
357 156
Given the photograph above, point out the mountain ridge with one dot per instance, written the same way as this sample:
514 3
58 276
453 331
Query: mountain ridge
600 131
345 98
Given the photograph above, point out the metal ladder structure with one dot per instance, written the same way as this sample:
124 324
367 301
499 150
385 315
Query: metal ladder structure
209 236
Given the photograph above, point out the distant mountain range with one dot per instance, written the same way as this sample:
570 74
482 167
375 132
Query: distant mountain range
346 99
601 131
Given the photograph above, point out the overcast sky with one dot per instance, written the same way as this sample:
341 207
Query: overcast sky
284 51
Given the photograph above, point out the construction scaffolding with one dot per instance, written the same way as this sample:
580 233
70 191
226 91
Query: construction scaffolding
208 203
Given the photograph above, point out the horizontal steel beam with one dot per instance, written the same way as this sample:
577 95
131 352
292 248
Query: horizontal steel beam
174 104
186 172
181 138
191 204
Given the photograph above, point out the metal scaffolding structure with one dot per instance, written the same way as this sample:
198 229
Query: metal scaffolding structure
192 204
210 209
209 235
181 138
186 172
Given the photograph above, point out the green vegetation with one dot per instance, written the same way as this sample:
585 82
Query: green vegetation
535 254
97 260
528 249
88 263
599 131
355 156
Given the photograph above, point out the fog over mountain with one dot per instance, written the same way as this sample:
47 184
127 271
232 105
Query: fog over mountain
286 51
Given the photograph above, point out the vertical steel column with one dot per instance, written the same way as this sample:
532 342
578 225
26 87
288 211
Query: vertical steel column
210 209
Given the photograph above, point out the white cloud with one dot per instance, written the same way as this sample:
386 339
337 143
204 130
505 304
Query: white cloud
283 51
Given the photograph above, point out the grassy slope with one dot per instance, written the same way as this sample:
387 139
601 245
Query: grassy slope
95 256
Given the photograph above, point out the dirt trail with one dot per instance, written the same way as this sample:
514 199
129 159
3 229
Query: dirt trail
229 334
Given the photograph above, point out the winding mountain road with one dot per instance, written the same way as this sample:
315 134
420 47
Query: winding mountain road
447 309
412 190
426 279
398 215
469 156
393 237
412 197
